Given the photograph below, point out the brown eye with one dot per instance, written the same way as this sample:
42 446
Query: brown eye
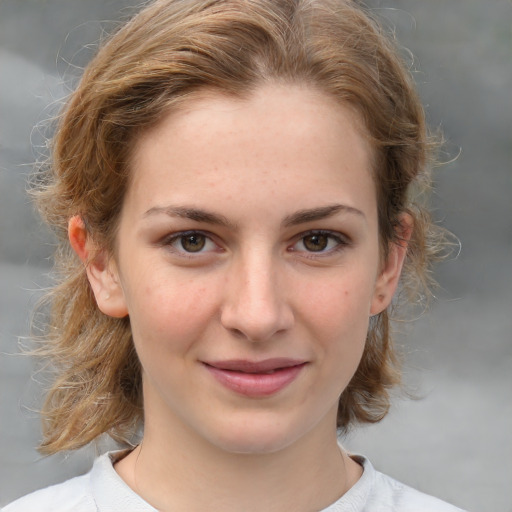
194 242
321 243
316 243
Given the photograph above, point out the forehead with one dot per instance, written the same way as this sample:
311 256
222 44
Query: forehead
287 136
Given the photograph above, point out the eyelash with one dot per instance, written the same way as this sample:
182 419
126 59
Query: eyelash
340 240
170 240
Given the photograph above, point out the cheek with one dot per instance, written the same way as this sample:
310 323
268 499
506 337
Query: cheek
340 302
337 316
169 312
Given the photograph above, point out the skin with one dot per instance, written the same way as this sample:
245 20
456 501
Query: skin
270 169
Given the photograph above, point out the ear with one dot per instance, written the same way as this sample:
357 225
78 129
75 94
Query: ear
387 281
101 270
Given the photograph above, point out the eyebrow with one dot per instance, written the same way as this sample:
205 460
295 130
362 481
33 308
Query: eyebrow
323 212
299 217
195 214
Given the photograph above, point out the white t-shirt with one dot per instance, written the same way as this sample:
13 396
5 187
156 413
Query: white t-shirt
103 490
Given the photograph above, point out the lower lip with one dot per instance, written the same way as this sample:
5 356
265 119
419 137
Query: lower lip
256 384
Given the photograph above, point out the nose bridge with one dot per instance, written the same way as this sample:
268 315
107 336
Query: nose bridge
255 305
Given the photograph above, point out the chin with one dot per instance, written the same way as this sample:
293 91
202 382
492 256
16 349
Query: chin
255 437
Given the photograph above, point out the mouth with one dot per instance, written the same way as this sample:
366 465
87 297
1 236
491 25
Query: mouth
256 378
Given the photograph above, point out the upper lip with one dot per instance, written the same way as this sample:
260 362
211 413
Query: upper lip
246 366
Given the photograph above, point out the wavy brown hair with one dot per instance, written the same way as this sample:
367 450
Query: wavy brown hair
163 56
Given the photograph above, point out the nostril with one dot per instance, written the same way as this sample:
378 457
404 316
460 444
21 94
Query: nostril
237 333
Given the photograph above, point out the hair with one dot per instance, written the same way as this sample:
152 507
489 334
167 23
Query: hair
165 54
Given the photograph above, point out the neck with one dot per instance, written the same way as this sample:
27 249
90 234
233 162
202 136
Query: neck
180 471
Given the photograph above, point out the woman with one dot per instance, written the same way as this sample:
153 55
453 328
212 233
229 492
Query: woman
234 186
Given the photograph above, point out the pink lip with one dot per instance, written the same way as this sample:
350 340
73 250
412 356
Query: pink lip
252 378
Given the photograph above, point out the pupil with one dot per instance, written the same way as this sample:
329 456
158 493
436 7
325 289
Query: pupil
316 242
193 243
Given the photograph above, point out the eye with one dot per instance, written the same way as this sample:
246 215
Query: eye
194 242
190 242
316 243
320 242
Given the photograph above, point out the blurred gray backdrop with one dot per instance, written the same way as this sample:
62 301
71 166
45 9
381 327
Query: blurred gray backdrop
455 442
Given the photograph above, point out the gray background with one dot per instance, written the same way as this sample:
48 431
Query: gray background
455 441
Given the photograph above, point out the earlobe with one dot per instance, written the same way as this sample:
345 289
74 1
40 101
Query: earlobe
101 270
388 279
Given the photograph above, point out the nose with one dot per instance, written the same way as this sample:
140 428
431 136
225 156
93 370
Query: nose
255 305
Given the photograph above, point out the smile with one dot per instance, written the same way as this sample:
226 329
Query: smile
256 379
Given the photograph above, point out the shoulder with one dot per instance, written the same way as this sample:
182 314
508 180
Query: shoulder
72 495
102 489
376 492
390 494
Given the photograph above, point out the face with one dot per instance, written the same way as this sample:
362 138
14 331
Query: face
248 263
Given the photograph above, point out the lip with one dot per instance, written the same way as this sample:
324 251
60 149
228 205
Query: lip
256 378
